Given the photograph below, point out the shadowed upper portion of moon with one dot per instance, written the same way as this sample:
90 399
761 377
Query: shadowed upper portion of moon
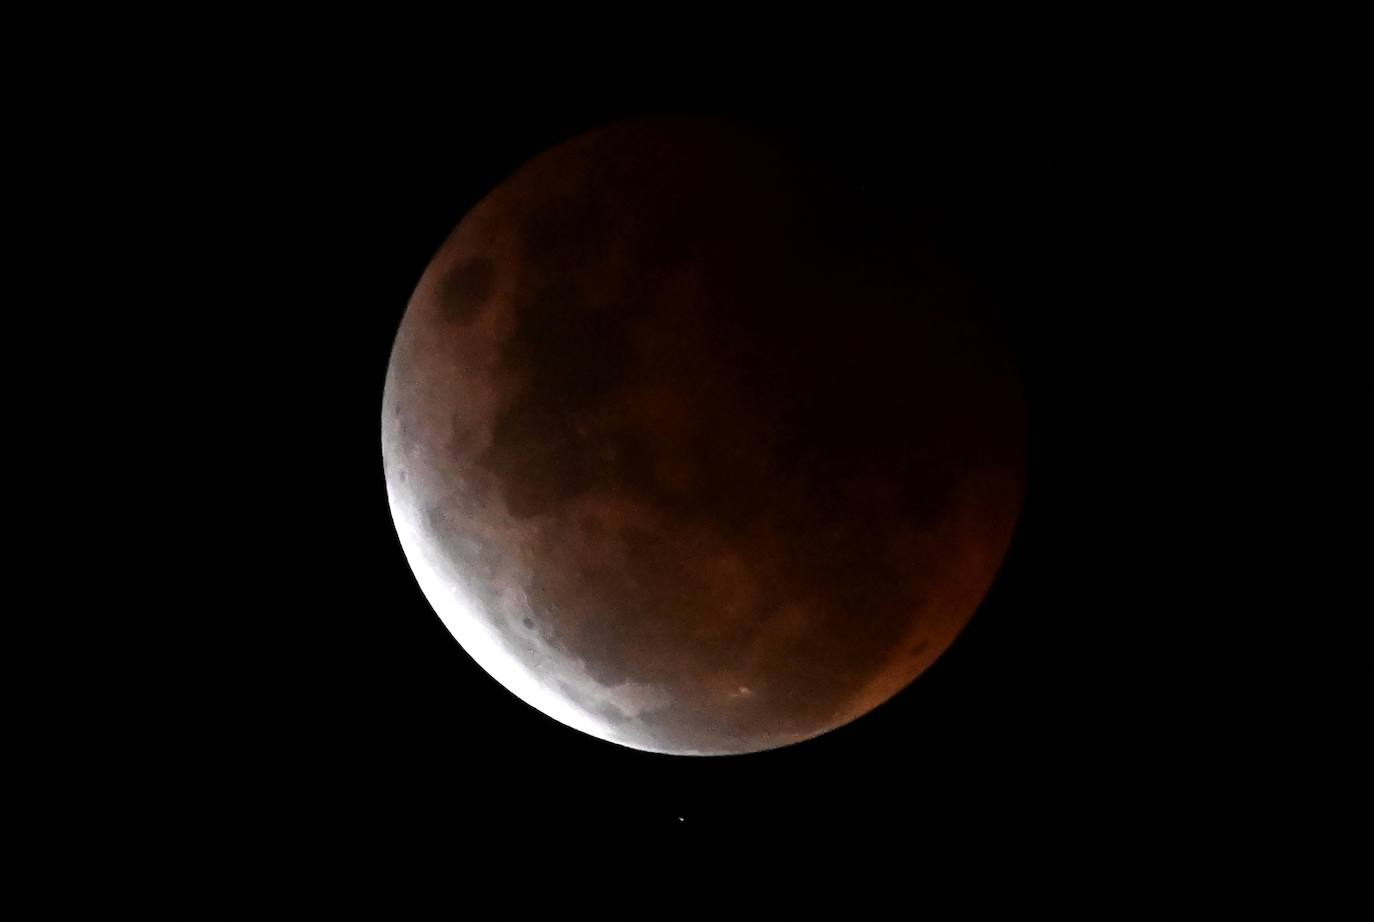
686 460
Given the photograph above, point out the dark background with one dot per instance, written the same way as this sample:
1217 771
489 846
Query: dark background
1079 723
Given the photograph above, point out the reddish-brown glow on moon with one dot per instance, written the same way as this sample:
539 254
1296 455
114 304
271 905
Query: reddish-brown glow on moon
684 460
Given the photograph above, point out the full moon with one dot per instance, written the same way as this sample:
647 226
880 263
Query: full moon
690 455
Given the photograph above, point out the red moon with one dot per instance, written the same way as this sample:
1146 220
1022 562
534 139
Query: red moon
687 458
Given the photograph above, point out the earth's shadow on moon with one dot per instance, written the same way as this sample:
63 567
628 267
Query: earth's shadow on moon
684 460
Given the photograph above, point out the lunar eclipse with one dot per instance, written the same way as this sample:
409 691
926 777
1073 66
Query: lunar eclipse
686 457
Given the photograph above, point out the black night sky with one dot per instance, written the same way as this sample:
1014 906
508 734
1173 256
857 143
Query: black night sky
1074 716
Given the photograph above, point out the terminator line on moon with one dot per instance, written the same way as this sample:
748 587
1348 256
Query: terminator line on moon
685 455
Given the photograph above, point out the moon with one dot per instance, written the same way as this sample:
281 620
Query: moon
688 456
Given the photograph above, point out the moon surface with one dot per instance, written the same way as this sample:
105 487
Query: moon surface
689 456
